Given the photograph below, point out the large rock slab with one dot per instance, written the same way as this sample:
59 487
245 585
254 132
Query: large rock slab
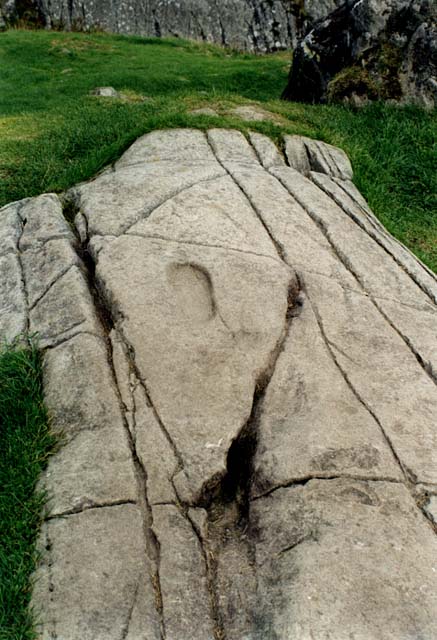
242 364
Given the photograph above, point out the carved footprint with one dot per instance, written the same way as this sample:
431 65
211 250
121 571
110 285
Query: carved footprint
193 290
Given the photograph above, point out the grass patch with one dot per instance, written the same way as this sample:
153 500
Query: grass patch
53 134
25 444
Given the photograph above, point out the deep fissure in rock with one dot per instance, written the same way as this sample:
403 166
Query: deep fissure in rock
228 502
152 547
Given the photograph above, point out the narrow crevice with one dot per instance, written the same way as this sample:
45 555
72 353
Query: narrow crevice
346 262
152 547
210 564
378 240
125 631
301 482
279 248
200 244
90 507
50 286
67 338
227 501
404 469
146 213
51 584
426 366
422 500
23 279
310 537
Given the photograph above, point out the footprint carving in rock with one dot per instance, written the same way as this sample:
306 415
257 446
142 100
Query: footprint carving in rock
193 291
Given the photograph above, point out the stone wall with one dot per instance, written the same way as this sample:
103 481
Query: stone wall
253 25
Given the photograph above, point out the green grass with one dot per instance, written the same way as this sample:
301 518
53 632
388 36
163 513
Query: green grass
25 443
53 134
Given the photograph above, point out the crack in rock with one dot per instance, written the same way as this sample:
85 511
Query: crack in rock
216 535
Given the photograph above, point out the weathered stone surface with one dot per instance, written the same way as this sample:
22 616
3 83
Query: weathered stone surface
10 229
337 550
344 438
191 329
80 365
90 587
378 364
45 265
368 50
268 153
263 25
244 371
93 469
204 111
183 577
65 310
42 220
13 306
105 92
431 508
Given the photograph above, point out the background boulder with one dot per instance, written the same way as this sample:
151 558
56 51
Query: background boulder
369 49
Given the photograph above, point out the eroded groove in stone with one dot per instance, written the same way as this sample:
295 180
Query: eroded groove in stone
425 353
250 443
331 351
406 262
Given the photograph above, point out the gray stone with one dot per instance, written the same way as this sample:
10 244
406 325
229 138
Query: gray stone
350 200
65 310
247 399
353 245
310 409
105 92
328 159
155 169
93 469
189 300
80 366
13 306
378 364
186 218
45 265
267 151
431 508
345 563
305 154
302 244
297 154
10 228
183 577
93 575
43 219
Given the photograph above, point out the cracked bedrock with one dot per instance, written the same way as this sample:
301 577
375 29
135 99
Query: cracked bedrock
242 363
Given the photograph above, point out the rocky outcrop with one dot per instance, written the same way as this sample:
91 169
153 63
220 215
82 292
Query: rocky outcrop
369 49
242 362
254 25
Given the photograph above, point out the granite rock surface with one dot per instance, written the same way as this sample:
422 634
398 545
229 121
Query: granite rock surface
242 363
